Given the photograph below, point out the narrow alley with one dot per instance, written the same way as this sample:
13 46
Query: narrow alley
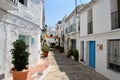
60 39
63 68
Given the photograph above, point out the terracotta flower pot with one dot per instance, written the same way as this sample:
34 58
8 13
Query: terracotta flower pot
19 75
45 54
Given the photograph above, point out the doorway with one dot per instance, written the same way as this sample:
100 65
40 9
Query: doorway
92 54
82 51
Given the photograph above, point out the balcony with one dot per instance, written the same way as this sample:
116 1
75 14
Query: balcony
9 4
67 30
115 20
73 27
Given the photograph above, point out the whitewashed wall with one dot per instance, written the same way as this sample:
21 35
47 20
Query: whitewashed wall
24 21
2 48
11 32
101 55
101 33
71 35
33 12
101 17
102 24
113 3
83 23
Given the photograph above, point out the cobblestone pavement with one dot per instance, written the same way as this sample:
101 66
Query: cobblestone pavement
63 68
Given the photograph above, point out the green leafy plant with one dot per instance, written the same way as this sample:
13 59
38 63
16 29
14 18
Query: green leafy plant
52 45
75 54
20 56
69 53
61 49
45 48
57 47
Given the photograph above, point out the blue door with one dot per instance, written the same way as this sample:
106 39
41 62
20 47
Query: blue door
92 54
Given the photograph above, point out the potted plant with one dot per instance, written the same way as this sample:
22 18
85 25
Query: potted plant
57 47
69 53
75 54
61 49
52 45
45 49
20 60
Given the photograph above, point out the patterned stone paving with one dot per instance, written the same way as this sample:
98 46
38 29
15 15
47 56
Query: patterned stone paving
66 69
78 76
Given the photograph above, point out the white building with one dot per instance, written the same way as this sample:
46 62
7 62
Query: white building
19 19
68 30
51 36
71 30
63 40
100 37
59 28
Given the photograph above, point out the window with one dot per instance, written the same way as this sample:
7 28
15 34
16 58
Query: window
90 28
32 40
114 54
115 20
22 37
24 2
90 21
66 30
26 39
21 1
73 44
115 15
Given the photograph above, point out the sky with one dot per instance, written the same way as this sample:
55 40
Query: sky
55 10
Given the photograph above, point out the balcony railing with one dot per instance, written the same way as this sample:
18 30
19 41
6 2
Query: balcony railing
14 1
90 27
115 20
71 28
9 4
79 27
67 30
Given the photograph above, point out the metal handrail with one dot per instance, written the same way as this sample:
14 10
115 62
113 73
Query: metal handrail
14 1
